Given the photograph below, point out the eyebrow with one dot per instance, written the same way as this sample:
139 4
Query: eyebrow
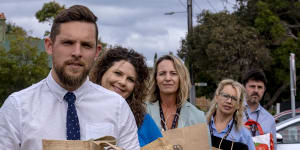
66 38
132 77
87 42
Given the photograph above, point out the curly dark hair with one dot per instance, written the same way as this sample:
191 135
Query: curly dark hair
136 98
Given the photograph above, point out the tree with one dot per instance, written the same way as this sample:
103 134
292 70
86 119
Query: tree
155 58
258 34
48 13
223 48
278 22
22 64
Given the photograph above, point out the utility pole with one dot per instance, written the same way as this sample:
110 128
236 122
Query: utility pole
190 16
2 27
293 83
190 32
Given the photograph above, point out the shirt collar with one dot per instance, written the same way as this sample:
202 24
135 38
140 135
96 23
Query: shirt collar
256 110
59 92
214 127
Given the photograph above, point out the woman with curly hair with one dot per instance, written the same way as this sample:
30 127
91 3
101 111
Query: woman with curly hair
125 72
225 117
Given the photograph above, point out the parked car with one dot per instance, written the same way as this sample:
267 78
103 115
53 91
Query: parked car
288 134
285 115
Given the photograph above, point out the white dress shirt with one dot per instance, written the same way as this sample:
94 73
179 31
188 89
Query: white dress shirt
39 112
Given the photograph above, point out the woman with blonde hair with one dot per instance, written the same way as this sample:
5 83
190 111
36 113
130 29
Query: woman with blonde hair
225 117
169 90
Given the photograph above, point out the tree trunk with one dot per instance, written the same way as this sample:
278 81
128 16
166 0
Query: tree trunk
277 94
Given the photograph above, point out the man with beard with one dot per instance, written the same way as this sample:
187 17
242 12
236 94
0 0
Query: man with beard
66 105
255 83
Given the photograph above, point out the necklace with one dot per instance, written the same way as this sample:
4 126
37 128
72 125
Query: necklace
163 120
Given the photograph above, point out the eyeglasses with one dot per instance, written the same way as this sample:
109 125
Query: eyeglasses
227 96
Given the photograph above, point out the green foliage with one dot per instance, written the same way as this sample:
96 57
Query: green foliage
281 56
278 22
49 12
22 65
267 22
279 5
223 48
13 29
259 34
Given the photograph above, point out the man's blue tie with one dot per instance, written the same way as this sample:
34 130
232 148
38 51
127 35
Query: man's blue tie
73 128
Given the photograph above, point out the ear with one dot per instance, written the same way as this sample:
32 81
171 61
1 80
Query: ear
48 46
265 88
98 50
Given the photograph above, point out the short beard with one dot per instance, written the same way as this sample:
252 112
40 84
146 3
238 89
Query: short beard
70 81
252 101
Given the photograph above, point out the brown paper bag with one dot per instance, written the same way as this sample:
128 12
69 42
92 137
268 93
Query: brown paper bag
158 144
189 138
98 144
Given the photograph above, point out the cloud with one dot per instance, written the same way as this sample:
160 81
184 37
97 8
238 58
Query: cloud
137 24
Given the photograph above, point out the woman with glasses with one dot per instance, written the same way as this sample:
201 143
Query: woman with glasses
225 118
169 91
125 72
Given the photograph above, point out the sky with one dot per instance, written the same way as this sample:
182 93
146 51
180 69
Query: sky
137 24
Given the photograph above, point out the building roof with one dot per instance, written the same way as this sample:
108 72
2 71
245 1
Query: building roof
2 16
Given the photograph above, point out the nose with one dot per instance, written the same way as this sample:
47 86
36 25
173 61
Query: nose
76 50
255 89
229 100
168 77
122 81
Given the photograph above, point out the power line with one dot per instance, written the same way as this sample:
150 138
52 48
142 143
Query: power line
226 2
196 3
184 6
211 5
223 3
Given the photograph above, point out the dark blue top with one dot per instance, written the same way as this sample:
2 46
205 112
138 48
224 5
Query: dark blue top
148 131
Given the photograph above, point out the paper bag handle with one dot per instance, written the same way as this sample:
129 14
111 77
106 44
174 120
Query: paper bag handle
113 146
108 143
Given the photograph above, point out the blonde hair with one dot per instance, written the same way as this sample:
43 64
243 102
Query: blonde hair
241 95
184 80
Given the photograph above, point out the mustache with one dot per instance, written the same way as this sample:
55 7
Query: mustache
74 61
255 94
